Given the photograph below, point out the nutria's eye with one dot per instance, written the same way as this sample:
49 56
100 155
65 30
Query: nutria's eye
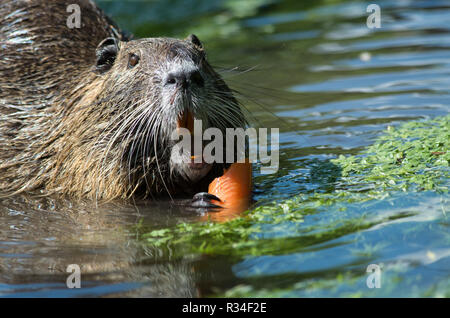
133 60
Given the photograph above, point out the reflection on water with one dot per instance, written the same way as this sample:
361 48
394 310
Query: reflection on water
332 86
40 238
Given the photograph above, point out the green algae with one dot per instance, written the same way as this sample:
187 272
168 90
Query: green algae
415 155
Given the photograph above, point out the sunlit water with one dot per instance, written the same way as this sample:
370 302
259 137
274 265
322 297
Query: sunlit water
331 85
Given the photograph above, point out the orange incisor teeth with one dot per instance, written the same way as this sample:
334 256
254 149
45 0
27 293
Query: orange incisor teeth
186 120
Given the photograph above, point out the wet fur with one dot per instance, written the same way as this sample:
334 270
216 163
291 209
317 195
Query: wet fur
66 128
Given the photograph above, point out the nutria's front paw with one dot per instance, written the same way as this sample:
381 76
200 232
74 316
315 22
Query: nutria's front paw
203 200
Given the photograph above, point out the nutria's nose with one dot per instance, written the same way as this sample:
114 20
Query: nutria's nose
185 79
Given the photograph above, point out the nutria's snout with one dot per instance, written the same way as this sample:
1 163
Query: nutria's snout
182 83
184 79
183 94
185 84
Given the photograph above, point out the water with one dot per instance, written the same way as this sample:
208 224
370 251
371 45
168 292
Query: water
332 86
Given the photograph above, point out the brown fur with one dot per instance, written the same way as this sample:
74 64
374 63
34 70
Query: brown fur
57 113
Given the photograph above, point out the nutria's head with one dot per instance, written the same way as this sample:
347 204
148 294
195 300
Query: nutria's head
145 89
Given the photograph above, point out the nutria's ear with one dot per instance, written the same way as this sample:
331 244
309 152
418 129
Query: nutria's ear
194 40
106 54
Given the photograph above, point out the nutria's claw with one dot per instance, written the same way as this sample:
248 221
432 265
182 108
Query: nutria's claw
204 200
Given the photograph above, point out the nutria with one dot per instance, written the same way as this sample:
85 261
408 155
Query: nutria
87 112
